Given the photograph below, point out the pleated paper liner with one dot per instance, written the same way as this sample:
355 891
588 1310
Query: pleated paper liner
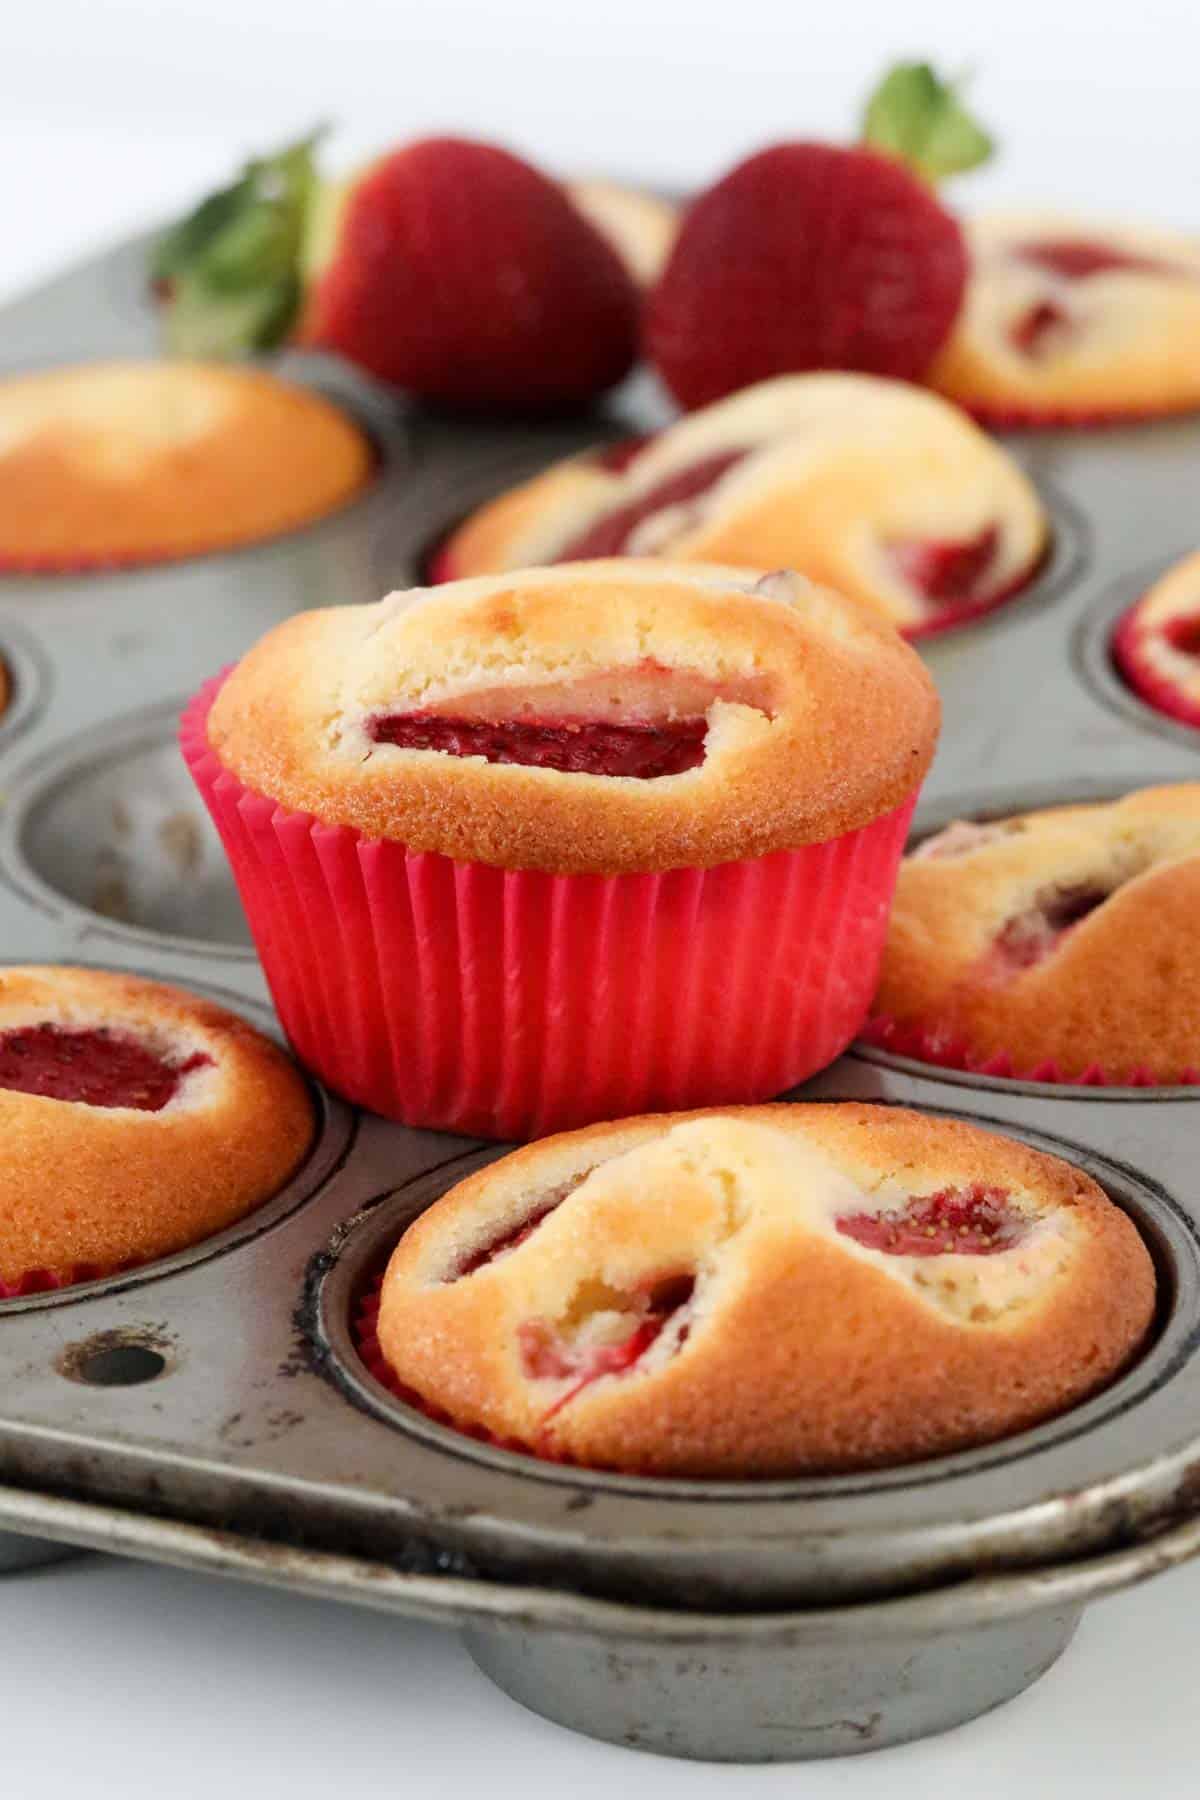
52 1281
1157 690
1050 418
949 1050
510 1003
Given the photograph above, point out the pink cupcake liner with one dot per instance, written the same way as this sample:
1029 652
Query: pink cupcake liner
510 1003
946 1049
50 1281
1155 689
1029 418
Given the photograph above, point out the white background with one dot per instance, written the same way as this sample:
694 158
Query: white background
132 1681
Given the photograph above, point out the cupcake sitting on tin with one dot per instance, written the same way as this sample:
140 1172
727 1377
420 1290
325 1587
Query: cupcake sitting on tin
525 852
768 1291
1156 645
136 1119
1059 946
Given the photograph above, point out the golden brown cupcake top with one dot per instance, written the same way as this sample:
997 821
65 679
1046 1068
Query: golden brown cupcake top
136 1120
123 462
605 717
765 1291
1064 936
1075 318
881 491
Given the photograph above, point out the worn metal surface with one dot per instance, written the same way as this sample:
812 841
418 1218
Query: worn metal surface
235 1430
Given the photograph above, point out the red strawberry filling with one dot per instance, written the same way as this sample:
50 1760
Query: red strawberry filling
98 1067
1075 260
1184 634
610 535
1039 328
508 1240
641 749
964 1221
948 573
548 1356
1030 937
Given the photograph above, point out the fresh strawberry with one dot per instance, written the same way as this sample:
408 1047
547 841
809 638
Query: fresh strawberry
811 256
449 268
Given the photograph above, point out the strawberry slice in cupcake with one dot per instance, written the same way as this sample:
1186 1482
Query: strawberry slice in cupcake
1156 646
137 1120
1074 321
764 1291
1058 945
879 490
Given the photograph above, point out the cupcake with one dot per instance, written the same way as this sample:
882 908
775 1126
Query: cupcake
544 848
770 1291
127 462
1060 945
640 227
1156 646
1068 321
886 493
136 1119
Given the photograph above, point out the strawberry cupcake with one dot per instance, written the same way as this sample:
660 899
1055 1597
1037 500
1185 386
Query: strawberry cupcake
882 491
129 462
767 1291
1156 646
532 850
1058 946
1072 322
163 1118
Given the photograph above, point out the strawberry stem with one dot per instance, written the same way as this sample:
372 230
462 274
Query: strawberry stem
917 117
230 271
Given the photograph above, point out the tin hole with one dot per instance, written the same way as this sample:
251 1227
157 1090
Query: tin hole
128 1365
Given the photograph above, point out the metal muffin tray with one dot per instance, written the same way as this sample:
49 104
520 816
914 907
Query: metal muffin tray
211 1410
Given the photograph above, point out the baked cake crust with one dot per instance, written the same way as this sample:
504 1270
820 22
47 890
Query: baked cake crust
107 1184
129 461
688 1302
818 719
1047 328
1065 936
852 480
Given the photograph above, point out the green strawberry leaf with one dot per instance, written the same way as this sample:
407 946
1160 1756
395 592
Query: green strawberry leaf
230 270
914 115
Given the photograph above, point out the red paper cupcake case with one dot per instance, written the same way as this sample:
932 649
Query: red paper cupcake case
508 1003
1146 682
1029 418
948 1050
52 1281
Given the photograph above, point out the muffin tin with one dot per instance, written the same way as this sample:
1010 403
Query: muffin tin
211 1410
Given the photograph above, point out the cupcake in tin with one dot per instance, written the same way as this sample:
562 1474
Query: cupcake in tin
137 1120
768 1291
530 851
134 462
1059 945
886 493
1156 646
5 687
1072 321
